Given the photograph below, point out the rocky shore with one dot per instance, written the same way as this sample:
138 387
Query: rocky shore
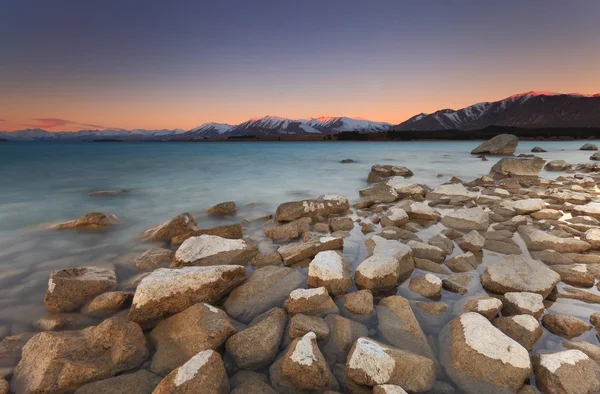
486 285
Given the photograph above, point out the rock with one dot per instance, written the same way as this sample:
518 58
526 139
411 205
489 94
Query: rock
325 205
389 263
515 274
310 302
551 257
179 225
592 236
405 189
223 209
181 336
462 263
458 283
295 252
395 216
154 258
427 285
203 373
54 362
140 382
89 221
479 358
385 170
367 228
568 371
564 325
442 242
248 382
71 288
165 292
265 288
301 325
537 149
107 303
588 146
342 334
575 275
256 347
502 144
3 386
388 389
590 350
590 209
519 303
379 193
540 240
359 302
398 326
373 363
467 219
488 307
330 270
263 260
547 214
210 250
230 231
347 161
455 192
338 224
595 156
525 329
424 251
517 168
422 211
576 294
526 207
471 242
289 231
557 165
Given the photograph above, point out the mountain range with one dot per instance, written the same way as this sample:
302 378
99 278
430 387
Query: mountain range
533 109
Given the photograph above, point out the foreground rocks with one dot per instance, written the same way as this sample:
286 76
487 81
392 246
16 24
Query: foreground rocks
502 144
330 270
207 250
568 371
389 263
295 252
179 225
325 205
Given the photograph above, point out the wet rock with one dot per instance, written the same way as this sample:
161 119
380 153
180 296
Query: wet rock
71 288
343 333
467 219
595 319
388 389
592 236
310 302
588 146
265 288
488 307
499 244
154 258
359 302
179 225
301 325
395 216
10 349
428 265
526 207
564 325
140 382
338 224
347 161
395 233
248 382
107 303
422 211
57 322
458 283
462 263
551 257
379 193
373 363
330 270
295 252
517 168
325 205
256 347
547 214
502 144
456 192
322 228
568 197
263 260
575 274
384 170
425 251
575 294
289 231
389 263
442 242
223 209
89 221
405 189
471 242
568 371
540 240
427 285
595 156
590 209
525 329
557 165
518 303
229 231
515 274
537 149
367 228
63 361
203 373
165 292
590 350
210 250
479 358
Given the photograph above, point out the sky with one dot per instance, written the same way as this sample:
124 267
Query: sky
94 64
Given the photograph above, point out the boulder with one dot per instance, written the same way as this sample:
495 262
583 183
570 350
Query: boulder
592 236
395 216
301 325
479 358
590 350
341 224
467 219
210 250
462 263
564 325
547 214
567 371
517 168
455 192
458 283
230 231
424 251
298 251
427 285
60 362
514 274
588 146
223 209
325 205
502 144
179 225
154 258
359 302
575 275
372 363
107 303
527 206
540 240
203 373
71 288
421 211
595 156
537 149
165 292
442 242
263 260
385 170
265 288
525 329
256 346
472 242
89 221
140 382
488 307
343 333
557 165
389 263
289 231
3 386
388 389
405 189
312 302
330 270
181 336
379 193
519 303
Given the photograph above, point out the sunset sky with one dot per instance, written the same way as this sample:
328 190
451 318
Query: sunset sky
81 64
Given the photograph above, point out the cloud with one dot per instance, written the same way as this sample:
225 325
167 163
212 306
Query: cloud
49 123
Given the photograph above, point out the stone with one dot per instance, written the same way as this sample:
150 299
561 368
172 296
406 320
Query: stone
310 302
385 170
203 373
590 350
592 236
60 362
71 288
488 307
537 149
165 292
557 165
295 252
289 231
422 211
519 303
595 156
547 214
301 325
179 225
11 347
256 346
343 333
462 263
514 274
389 263
379 193
154 258
359 302
575 275
428 265
590 209
388 389
588 146
551 257
526 207
525 329
263 260
329 269
395 216
502 144
456 192
405 189
372 363
458 283
89 221
140 382
467 219
248 382
424 251
230 231
325 205
107 303
265 288
595 319
427 285
223 209
471 242
517 168
338 224
540 240
322 228
576 294
211 250
442 242
567 371
564 325
479 358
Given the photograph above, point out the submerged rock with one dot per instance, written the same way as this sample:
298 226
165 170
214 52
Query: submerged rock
179 225
154 258
289 231
223 209
210 250
502 144
107 303
557 165
342 334
385 170
89 221
71 288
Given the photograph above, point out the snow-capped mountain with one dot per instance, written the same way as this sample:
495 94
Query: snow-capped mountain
209 130
532 109
85 135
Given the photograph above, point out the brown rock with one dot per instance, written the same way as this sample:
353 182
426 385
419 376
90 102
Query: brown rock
517 168
154 258
359 302
325 205
179 225
329 269
342 334
568 371
295 252
427 285
310 302
109 302
70 289
519 303
10 349
89 221
525 329
263 260
462 263
140 382
229 231
338 224
564 325
488 307
289 231
211 250
223 209
575 274
458 283
301 325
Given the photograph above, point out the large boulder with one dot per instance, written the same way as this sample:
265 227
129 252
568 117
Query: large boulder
330 270
265 288
524 329
71 288
536 239
467 219
179 225
502 144
312 302
230 231
519 303
295 252
208 250
203 373
325 205
181 336
60 362
515 274
517 168
567 371
588 146
565 325
89 221
395 216
389 263
479 358
165 292
140 382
